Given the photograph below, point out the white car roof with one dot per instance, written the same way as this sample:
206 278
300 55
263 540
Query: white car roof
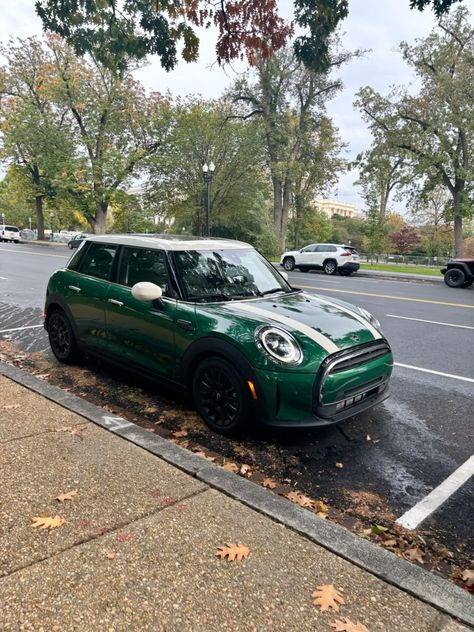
170 242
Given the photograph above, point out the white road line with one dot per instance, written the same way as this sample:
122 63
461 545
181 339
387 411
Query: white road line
4 331
432 322
418 368
3 278
414 516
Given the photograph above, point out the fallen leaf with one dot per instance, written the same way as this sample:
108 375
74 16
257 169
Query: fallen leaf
180 433
389 543
231 467
320 507
300 499
233 552
468 577
347 626
46 522
110 555
67 496
340 465
327 596
42 376
377 529
69 429
245 470
10 406
269 482
414 555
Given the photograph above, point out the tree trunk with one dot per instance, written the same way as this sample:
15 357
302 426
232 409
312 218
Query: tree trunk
99 222
285 212
277 206
39 216
457 216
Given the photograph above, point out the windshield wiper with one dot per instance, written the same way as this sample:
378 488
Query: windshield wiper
273 290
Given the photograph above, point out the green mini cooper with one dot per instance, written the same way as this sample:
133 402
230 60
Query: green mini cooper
216 319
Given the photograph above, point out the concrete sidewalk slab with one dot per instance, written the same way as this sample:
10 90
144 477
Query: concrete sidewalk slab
166 576
156 568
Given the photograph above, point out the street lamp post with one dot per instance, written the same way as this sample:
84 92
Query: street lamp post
208 172
52 234
3 219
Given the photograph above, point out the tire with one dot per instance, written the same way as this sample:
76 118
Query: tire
345 272
454 277
61 337
468 283
330 267
289 264
69 246
220 396
303 269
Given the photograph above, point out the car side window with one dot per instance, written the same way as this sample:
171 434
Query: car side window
331 249
75 261
310 248
321 248
97 261
141 264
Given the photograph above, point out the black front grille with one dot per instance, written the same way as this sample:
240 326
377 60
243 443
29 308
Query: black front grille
361 357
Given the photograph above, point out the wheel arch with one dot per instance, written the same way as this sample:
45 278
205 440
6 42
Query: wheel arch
56 302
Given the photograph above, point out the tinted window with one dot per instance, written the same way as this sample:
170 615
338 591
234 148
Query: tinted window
75 260
140 264
97 261
310 248
12 229
331 249
322 248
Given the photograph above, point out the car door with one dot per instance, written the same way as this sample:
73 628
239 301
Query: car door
306 255
85 292
143 333
320 255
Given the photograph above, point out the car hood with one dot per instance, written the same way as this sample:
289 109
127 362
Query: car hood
321 325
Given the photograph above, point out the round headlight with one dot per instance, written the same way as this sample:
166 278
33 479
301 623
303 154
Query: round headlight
279 345
371 318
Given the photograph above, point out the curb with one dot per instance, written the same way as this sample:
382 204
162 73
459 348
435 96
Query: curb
423 585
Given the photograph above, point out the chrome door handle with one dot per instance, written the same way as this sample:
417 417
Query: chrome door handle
114 302
74 288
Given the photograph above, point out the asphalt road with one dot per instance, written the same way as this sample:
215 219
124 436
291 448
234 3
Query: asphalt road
399 451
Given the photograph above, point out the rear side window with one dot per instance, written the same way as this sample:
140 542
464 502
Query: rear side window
322 248
98 260
12 229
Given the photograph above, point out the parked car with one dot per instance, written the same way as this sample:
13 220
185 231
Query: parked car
10 233
77 240
459 272
214 318
331 258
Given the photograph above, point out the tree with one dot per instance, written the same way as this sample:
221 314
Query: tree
117 127
375 240
313 226
115 32
435 128
290 102
202 133
404 240
35 135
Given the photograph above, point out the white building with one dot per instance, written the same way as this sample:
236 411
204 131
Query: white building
334 207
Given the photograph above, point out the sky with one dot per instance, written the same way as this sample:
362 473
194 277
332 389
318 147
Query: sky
375 25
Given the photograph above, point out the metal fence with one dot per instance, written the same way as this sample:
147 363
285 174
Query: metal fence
409 260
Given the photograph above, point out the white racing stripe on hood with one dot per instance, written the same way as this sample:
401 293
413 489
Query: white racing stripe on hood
375 333
322 340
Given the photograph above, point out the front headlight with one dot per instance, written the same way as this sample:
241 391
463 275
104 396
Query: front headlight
371 318
279 345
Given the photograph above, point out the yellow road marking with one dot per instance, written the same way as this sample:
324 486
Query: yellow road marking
39 254
395 298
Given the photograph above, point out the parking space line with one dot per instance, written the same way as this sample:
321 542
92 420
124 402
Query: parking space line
414 516
390 296
418 368
432 322
4 331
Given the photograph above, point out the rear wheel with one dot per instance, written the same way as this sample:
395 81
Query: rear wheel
61 337
289 264
330 267
303 269
220 396
455 277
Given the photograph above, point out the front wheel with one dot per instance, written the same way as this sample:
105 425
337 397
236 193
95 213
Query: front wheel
289 264
70 246
454 277
61 337
220 396
330 267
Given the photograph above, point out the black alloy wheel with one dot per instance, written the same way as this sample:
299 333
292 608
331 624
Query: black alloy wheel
61 337
289 264
455 277
220 396
330 267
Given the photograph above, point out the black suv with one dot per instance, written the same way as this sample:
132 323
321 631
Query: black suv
459 272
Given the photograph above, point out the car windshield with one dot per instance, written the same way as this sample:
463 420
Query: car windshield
221 275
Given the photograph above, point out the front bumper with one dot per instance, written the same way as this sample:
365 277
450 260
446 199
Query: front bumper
347 383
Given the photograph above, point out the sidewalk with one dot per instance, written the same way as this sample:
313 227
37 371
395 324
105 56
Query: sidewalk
137 549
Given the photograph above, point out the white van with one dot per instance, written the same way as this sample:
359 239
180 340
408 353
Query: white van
10 233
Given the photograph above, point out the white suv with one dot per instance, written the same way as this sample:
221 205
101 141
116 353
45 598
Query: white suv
331 258
10 233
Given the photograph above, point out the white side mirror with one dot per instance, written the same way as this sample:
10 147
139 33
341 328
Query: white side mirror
283 274
145 291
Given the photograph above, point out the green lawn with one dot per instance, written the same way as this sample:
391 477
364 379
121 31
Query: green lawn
394 267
